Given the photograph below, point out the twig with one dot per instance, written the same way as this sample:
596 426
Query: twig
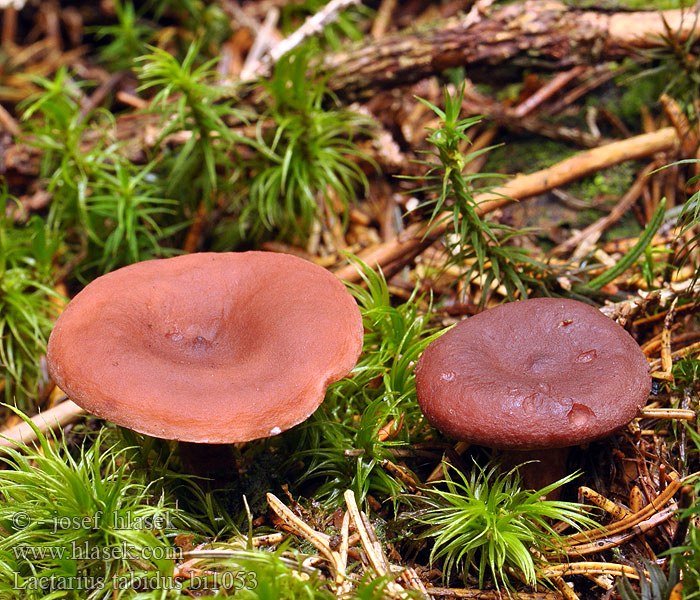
9 23
666 360
236 12
475 103
319 540
613 541
577 166
54 418
489 594
410 577
626 309
253 61
583 568
375 554
547 91
655 364
131 100
401 473
686 133
686 499
660 316
634 519
89 104
381 21
270 539
680 414
439 473
370 543
563 587
615 510
340 577
313 25
8 122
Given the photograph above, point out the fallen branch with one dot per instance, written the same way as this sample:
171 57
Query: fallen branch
54 418
590 568
526 33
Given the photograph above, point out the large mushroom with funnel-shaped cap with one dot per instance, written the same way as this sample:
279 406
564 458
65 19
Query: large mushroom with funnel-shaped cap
207 348
533 375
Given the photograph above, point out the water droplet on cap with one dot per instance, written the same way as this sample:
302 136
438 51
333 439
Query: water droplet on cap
587 356
580 415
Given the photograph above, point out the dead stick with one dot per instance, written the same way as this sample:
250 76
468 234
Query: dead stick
589 567
8 122
547 91
260 45
682 414
9 25
381 22
473 594
54 418
596 76
645 513
312 26
686 133
415 238
521 33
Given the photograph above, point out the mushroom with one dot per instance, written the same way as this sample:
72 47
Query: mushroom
533 376
208 348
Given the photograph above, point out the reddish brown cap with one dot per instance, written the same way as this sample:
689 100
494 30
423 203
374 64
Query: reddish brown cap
541 373
207 347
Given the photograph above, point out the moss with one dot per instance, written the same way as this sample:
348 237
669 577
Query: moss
526 155
628 227
639 91
614 182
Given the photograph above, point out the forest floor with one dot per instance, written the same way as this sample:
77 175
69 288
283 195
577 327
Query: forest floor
441 159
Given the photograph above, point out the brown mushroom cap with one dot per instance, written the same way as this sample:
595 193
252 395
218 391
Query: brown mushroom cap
541 373
207 347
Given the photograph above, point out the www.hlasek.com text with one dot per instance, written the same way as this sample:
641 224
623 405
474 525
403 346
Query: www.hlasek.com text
85 551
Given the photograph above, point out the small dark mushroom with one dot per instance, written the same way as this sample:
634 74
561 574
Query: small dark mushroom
533 375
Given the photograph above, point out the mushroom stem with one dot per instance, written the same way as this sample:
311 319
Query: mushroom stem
543 467
215 462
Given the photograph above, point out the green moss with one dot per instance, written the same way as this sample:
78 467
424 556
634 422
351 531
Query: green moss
614 181
627 227
526 155
630 91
